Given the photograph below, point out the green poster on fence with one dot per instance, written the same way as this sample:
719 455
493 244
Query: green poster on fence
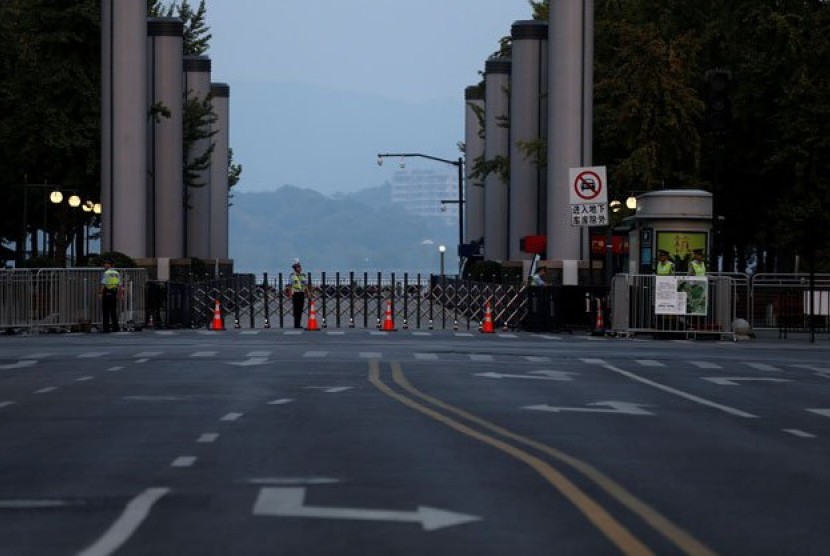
681 295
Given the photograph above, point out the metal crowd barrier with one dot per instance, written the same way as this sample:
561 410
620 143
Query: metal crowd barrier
637 307
61 299
359 300
789 303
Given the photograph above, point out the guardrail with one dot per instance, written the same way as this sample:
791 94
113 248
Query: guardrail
60 299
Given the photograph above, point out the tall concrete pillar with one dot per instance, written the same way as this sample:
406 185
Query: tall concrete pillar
219 172
496 143
197 229
124 126
570 119
474 148
165 202
528 123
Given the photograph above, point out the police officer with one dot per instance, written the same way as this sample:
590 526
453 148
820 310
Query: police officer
698 266
110 292
299 287
664 266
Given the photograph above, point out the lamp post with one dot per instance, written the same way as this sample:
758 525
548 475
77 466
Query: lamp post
56 196
460 201
442 249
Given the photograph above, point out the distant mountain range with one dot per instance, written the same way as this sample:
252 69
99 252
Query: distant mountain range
361 232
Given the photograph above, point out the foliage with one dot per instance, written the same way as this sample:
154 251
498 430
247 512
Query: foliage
119 260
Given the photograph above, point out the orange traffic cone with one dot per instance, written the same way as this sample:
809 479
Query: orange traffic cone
217 323
487 324
388 319
312 318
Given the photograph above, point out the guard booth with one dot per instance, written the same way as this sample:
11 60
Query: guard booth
677 220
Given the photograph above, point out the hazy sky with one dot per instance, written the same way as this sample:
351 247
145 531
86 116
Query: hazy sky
415 57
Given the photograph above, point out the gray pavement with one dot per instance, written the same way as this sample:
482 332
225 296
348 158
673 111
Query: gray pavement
250 442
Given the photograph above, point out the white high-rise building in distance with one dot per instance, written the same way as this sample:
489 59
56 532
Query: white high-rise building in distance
420 191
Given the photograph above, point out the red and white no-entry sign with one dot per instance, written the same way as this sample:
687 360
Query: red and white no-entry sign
588 185
589 196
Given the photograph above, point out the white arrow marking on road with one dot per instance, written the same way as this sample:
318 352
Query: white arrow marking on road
539 375
824 412
250 362
22 364
290 502
330 389
625 408
6 404
733 380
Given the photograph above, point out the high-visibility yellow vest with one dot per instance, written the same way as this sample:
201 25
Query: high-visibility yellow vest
111 279
665 268
298 282
697 268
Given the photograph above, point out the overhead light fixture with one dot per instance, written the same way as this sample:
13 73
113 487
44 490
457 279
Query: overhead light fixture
56 197
631 202
74 201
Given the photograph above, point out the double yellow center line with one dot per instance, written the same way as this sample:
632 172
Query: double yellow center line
509 442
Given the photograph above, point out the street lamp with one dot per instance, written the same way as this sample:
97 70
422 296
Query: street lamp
460 201
442 249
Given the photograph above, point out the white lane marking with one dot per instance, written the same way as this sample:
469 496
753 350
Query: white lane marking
330 389
92 354
815 368
481 357
207 438
147 354
22 364
315 354
84 378
292 481
33 504
38 356
546 337
250 332
650 363
537 359
537 375
290 501
680 393
166 333
379 333
426 356
6 403
370 355
115 368
762 367
292 332
250 362
183 461
422 333
46 390
823 412
259 353
734 380
799 433
705 365
335 333
231 416
204 354
280 401
509 336
464 334
625 408
127 523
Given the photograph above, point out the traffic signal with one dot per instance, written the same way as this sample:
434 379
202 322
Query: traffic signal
718 105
